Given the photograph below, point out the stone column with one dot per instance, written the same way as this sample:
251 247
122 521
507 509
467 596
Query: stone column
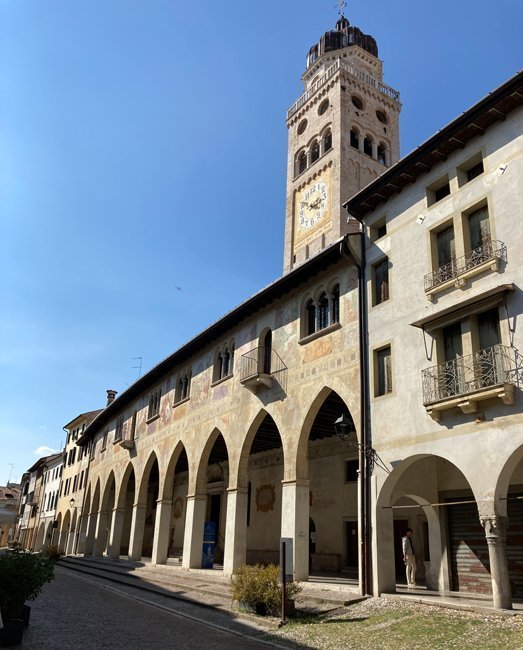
137 530
387 157
115 534
375 150
495 532
162 525
295 523
235 553
89 538
361 141
193 537
100 536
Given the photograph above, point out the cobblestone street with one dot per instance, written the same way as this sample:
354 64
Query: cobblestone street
73 612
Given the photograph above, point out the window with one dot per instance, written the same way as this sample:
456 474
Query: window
302 162
118 433
154 403
302 126
479 229
470 169
475 171
323 107
104 442
378 229
327 141
133 427
383 371
224 363
266 352
75 483
315 151
323 312
382 117
354 138
382 156
380 272
367 145
182 386
351 471
446 246
438 190
357 102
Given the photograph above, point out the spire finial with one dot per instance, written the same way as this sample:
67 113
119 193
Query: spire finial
341 7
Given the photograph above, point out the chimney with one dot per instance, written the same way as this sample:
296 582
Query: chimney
111 394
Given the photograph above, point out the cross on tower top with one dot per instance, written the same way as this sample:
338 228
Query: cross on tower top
341 7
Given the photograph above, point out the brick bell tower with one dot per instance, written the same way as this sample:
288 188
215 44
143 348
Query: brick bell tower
343 133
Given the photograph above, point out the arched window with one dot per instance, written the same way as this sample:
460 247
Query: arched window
323 311
354 138
367 145
315 151
302 162
381 153
327 141
226 361
335 305
311 317
219 368
267 351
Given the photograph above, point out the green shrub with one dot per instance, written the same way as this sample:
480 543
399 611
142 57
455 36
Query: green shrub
52 552
259 585
22 576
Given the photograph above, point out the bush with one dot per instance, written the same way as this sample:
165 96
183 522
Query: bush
52 552
22 576
257 585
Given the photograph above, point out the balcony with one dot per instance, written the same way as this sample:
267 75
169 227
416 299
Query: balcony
466 381
353 71
458 270
259 367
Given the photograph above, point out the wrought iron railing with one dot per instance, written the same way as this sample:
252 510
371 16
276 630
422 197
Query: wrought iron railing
487 251
260 361
496 365
354 72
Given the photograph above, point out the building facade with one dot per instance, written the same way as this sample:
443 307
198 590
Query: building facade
48 497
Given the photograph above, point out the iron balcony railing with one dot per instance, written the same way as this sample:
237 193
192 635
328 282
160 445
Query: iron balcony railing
354 72
484 369
452 270
260 361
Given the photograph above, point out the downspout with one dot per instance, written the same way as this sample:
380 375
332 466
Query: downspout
365 443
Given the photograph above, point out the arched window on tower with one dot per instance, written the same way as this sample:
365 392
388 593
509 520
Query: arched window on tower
327 141
367 145
315 151
354 138
381 154
302 162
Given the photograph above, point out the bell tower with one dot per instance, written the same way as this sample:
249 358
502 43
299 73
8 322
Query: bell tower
343 133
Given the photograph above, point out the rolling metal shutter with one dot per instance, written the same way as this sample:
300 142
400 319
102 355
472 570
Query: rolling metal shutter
515 546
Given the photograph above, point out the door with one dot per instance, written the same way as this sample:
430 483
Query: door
351 544
489 364
451 373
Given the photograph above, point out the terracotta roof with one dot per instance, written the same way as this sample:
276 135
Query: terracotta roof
475 121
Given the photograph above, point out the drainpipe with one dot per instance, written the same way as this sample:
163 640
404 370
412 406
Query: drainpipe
365 443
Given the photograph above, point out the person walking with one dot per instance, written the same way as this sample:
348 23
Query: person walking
409 558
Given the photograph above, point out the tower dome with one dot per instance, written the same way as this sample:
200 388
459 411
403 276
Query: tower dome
344 35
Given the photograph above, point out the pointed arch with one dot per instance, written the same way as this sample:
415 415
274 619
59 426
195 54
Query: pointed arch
206 459
124 482
167 477
143 481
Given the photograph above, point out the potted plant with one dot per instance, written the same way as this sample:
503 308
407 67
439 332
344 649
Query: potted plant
257 589
22 576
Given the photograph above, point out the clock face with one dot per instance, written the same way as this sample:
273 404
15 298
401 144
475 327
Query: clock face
312 205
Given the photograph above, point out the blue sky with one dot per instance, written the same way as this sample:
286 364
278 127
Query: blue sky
142 171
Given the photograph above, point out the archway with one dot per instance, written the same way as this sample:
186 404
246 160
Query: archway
149 498
83 521
39 542
432 496
64 532
126 502
57 527
261 474
105 516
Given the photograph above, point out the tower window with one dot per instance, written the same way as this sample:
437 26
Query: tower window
357 102
323 107
367 145
315 151
381 154
327 141
354 138
381 117
302 126
302 162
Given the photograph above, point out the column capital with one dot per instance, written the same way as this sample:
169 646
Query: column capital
196 497
495 528
237 490
298 482
164 502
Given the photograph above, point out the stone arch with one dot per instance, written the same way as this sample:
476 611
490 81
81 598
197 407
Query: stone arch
167 477
299 468
142 483
505 478
40 537
408 498
201 472
57 529
110 483
122 486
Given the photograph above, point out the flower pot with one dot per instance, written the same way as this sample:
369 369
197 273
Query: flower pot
11 633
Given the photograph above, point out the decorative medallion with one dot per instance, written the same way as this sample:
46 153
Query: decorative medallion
178 507
265 498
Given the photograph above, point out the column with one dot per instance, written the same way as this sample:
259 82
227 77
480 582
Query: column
100 536
387 157
375 150
91 528
361 140
193 537
115 534
295 523
162 526
137 530
495 532
235 553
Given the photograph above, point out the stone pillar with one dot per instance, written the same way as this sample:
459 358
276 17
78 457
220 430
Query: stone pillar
387 157
295 523
162 526
193 537
375 150
495 532
309 158
235 552
137 530
361 141
89 538
115 534
100 536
